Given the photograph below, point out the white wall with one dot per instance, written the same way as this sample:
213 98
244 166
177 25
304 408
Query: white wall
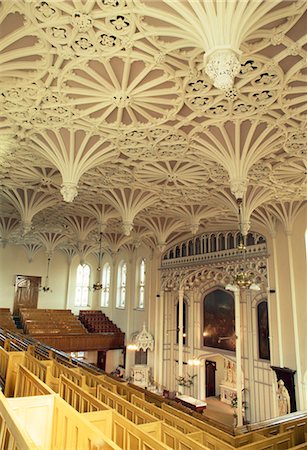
62 281
14 261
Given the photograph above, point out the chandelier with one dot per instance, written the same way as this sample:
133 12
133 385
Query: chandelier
98 285
242 279
46 287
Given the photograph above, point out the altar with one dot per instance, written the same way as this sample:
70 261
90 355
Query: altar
191 402
227 393
228 386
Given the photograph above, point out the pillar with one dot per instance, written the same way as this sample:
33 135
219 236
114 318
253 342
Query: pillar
238 356
180 339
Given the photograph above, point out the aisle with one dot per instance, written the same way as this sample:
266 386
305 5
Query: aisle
219 411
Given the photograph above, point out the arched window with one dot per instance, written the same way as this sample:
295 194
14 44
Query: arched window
191 248
212 243
238 239
141 284
250 240
221 242
263 330
230 241
121 285
185 322
106 277
82 285
197 246
219 320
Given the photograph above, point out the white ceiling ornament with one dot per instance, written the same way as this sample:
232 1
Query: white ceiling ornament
238 186
144 340
109 93
109 101
216 27
222 66
73 153
69 191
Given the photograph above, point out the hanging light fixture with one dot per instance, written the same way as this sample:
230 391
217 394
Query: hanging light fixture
46 287
98 285
242 279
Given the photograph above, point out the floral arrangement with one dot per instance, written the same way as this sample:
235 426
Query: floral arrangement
186 381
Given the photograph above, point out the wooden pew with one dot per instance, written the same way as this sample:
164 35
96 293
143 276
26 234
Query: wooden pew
14 437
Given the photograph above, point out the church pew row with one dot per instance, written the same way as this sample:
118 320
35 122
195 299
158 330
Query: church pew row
50 321
79 399
165 433
129 417
29 385
9 362
120 434
256 441
244 441
86 341
248 441
6 320
60 426
170 419
97 322
12 436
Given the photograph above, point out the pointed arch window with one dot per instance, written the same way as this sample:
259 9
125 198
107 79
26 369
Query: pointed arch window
141 284
106 277
263 330
82 285
219 320
121 285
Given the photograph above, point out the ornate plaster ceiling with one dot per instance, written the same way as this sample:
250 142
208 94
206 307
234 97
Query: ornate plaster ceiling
110 122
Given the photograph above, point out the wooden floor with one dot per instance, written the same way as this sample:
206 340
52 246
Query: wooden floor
219 411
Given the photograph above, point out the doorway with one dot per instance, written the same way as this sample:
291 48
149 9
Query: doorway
210 378
26 292
101 359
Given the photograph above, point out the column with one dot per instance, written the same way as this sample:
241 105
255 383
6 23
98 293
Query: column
161 338
280 362
202 380
190 340
171 336
238 356
180 339
157 343
67 306
251 338
300 402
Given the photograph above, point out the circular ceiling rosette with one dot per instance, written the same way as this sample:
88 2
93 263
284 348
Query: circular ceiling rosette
291 175
44 179
174 174
121 93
